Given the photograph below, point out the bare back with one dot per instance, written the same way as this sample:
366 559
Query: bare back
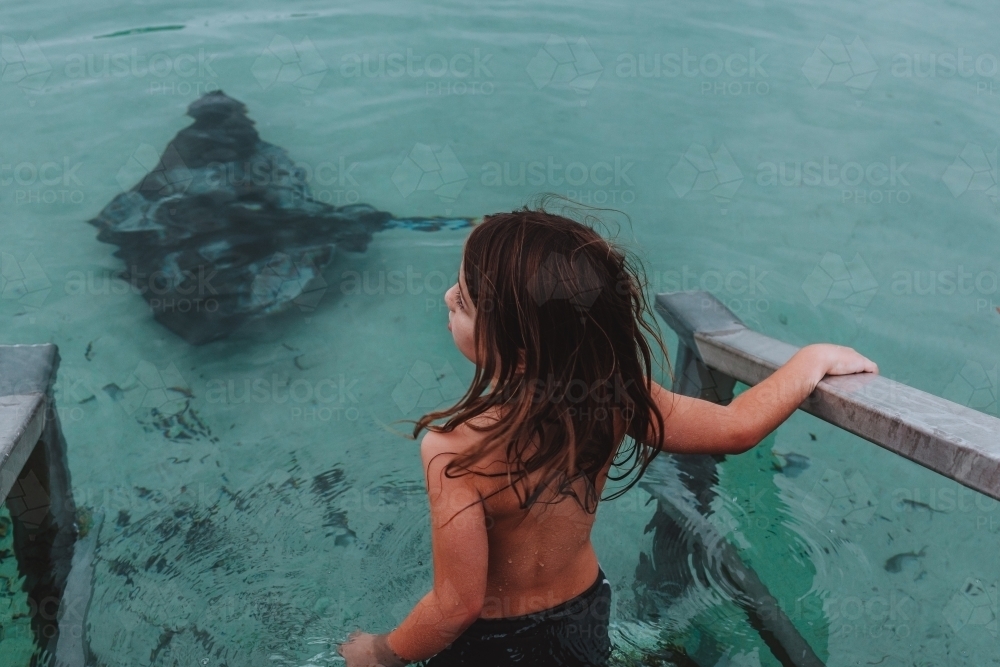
540 557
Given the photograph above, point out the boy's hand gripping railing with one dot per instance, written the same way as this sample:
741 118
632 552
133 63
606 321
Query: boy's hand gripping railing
35 485
716 349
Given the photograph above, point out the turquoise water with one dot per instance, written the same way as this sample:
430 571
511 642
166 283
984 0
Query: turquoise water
829 171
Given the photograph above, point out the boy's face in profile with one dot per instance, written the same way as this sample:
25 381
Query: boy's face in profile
461 316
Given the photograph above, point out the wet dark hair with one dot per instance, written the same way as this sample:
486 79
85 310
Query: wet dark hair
552 292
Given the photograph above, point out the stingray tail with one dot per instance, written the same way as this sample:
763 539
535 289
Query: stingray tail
432 224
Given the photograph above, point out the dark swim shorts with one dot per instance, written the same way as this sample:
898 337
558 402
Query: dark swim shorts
572 633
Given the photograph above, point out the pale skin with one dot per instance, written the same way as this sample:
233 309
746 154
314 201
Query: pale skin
492 561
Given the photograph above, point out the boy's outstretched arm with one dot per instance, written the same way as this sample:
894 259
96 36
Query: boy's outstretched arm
695 426
460 551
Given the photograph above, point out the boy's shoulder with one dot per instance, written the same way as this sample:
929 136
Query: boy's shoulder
465 434
438 450
458 441
462 440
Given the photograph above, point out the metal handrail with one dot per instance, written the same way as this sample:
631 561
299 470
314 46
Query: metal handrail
716 349
35 482
24 381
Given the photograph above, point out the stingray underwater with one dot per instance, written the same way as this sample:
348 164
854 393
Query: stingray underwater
226 229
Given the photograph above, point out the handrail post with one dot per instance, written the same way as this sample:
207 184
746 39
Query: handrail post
35 483
951 439
694 376
688 313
